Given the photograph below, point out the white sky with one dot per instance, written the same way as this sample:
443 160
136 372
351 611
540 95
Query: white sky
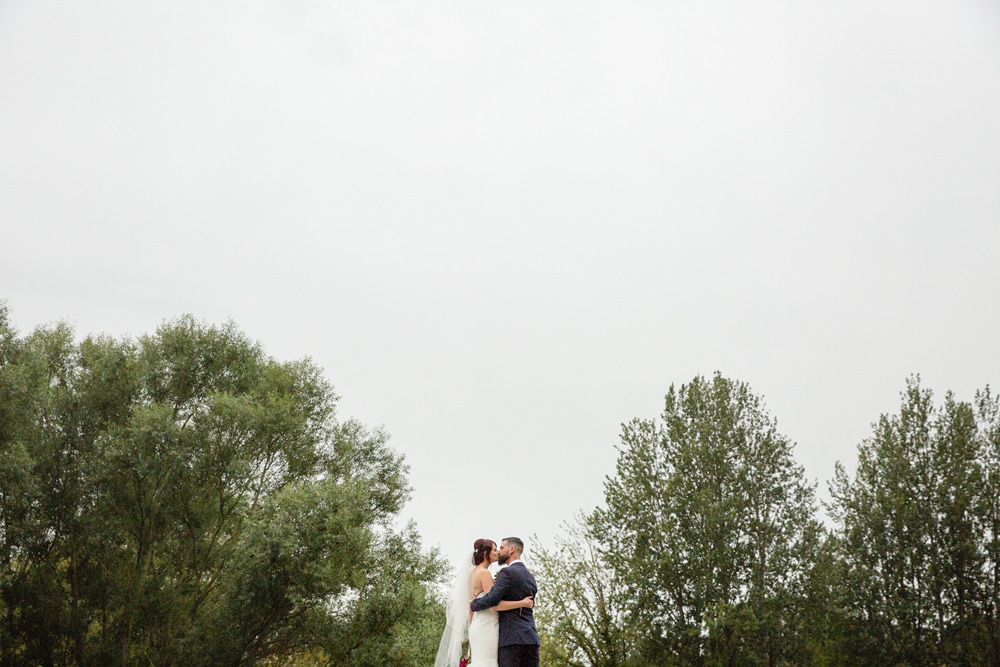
504 228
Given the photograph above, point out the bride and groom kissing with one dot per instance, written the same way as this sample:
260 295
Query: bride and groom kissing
496 616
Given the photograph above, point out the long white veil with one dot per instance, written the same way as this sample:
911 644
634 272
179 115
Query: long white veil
456 627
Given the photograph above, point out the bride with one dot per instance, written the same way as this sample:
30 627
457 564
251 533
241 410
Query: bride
473 580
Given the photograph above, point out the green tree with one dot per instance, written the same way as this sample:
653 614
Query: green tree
709 525
917 526
583 620
988 510
185 499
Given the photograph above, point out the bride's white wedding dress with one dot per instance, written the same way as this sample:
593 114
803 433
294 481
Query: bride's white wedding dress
484 637
483 632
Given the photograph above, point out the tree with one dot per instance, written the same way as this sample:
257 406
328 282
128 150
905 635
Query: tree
709 526
917 526
988 510
583 618
185 499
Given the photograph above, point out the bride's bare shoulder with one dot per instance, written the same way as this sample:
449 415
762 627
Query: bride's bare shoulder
480 580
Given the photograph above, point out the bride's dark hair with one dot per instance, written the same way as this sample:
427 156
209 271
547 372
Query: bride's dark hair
481 549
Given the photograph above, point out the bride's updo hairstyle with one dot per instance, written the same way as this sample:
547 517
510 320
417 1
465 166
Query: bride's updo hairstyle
481 551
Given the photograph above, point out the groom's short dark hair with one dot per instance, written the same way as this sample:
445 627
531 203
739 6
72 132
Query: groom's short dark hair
516 541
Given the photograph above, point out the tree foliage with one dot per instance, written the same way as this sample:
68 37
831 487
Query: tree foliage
584 616
918 525
184 499
707 552
709 527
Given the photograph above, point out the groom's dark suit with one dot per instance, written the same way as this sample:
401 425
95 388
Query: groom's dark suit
517 626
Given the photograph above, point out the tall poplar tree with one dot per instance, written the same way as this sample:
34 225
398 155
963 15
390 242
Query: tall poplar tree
918 525
709 524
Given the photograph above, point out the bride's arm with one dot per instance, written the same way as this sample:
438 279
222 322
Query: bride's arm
486 581
507 605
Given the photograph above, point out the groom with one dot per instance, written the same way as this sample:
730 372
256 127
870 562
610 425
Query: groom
518 637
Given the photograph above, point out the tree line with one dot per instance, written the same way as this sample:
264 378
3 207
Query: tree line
709 549
182 498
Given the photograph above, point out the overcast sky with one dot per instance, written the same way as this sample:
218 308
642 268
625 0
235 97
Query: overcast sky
505 228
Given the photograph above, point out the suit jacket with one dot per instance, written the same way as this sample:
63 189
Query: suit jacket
517 626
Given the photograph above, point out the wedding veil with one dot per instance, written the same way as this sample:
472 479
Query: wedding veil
456 627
